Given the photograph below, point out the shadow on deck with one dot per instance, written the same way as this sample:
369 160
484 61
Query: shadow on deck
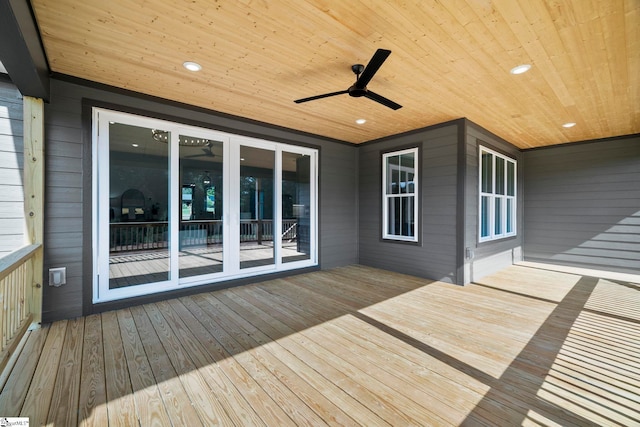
350 346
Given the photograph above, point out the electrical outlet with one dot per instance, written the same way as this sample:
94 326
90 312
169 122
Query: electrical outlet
468 253
57 276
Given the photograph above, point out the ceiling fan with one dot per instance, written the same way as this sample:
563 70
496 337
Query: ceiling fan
206 152
363 77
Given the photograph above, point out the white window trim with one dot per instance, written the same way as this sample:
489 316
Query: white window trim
414 195
492 197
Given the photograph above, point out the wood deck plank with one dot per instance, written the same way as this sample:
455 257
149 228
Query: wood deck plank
66 394
149 404
118 385
349 346
270 381
264 404
16 387
376 365
267 336
335 369
38 399
176 400
92 408
207 401
230 391
274 377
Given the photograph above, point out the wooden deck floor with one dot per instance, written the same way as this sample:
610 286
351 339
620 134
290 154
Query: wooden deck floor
350 346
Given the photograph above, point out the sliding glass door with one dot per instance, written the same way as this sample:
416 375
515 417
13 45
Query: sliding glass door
179 206
201 206
296 199
138 180
257 213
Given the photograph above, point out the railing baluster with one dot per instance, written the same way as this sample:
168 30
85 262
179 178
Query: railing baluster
16 313
125 237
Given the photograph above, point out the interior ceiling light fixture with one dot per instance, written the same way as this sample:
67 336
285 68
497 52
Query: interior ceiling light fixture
568 125
163 136
192 66
520 69
361 121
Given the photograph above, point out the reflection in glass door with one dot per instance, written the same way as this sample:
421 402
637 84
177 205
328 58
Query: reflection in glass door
296 207
201 206
138 206
257 211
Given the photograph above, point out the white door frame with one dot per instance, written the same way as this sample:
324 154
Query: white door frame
231 202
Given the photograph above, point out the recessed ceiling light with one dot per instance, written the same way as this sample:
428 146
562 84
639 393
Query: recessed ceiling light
192 66
134 145
568 125
520 69
361 121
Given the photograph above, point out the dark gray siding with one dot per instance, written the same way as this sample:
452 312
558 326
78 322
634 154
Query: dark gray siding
63 226
488 257
582 205
11 169
338 205
68 186
435 257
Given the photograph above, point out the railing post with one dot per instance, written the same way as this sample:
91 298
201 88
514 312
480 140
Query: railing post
259 231
34 196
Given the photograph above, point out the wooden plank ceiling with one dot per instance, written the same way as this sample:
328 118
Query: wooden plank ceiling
450 59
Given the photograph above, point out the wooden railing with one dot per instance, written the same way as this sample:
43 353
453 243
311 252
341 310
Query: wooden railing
137 236
17 306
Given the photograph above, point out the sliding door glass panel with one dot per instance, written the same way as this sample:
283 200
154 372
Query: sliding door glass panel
257 209
296 207
138 206
201 222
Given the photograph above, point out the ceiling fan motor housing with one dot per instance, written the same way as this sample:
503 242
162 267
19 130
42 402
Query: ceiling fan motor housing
357 69
357 92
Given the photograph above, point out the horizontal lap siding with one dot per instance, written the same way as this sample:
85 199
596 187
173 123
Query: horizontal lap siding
11 169
63 232
583 205
68 179
338 206
435 257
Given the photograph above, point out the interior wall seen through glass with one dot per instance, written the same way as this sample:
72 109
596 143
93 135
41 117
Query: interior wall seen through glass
201 206
138 206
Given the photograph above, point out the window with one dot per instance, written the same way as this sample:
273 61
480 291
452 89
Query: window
497 196
399 201
178 206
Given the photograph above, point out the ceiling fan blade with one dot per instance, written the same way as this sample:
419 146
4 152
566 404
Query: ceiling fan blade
326 95
206 152
376 62
382 100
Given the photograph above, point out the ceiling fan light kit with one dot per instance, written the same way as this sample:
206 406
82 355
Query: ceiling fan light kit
363 77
